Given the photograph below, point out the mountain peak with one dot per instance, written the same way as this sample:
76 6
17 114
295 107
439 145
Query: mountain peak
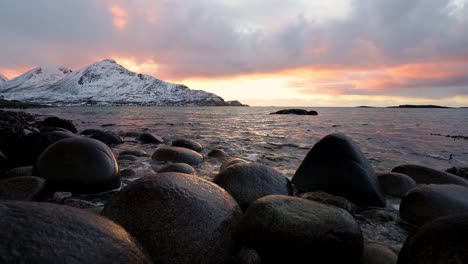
108 60
37 77
3 78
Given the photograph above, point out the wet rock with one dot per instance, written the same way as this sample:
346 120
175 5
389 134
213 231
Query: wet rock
62 165
26 188
133 134
90 132
285 229
127 157
107 137
440 241
424 175
78 203
178 218
149 138
177 154
376 253
217 154
138 153
395 184
460 172
54 121
337 166
4 163
294 112
177 167
59 197
128 173
427 202
247 182
20 171
231 161
46 233
187 143
329 199
247 256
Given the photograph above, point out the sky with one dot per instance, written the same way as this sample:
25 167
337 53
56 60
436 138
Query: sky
261 52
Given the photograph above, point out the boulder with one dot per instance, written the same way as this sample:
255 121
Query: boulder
247 182
47 233
133 134
427 202
26 188
231 161
443 240
247 256
286 229
329 199
178 218
177 154
217 154
80 165
294 112
337 166
149 138
395 184
376 253
187 143
128 173
177 167
54 121
107 137
425 175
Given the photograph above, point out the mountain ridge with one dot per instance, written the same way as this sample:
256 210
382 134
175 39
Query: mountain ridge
104 83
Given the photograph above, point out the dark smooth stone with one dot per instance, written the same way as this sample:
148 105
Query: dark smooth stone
54 121
286 229
178 218
329 199
337 166
177 154
177 167
443 240
107 137
247 256
231 161
150 138
133 134
26 188
80 165
128 173
427 202
47 233
247 182
90 132
138 153
375 253
396 184
217 154
187 143
425 175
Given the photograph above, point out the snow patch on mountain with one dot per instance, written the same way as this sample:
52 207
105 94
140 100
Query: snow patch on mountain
38 78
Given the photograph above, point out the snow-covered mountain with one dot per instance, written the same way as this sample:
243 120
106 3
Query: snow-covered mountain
2 79
38 78
106 82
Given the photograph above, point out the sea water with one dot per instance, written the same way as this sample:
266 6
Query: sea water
387 136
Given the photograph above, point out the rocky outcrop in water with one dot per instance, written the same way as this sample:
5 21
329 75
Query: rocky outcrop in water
294 112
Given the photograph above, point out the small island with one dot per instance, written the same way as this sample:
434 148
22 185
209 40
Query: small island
294 112
418 106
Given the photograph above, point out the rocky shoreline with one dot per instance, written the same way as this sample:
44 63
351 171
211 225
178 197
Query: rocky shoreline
81 191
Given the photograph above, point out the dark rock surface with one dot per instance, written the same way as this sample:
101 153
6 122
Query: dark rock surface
217 154
149 138
177 167
247 256
80 165
187 143
231 161
247 182
395 184
128 173
441 241
177 154
427 202
107 137
138 153
127 158
329 199
375 253
20 171
425 175
18 104
294 112
26 188
285 229
178 218
337 166
46 233
54 121
461 172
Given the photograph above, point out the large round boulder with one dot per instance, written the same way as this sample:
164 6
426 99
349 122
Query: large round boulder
79 165
427 202
443 240
337 166
107 137
26 188
47 233
54 121
395 184
376 253
425 175
149 138
177 154
178 167
187 143
247 182
179 218
231 161
286 229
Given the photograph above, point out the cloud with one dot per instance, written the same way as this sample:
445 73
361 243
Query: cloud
119 16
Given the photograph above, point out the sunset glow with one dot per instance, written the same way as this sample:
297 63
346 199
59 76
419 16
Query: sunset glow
342 52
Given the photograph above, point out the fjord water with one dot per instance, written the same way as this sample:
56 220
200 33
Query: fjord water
387 136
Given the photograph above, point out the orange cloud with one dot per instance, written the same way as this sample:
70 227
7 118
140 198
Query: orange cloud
148 66
119 16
